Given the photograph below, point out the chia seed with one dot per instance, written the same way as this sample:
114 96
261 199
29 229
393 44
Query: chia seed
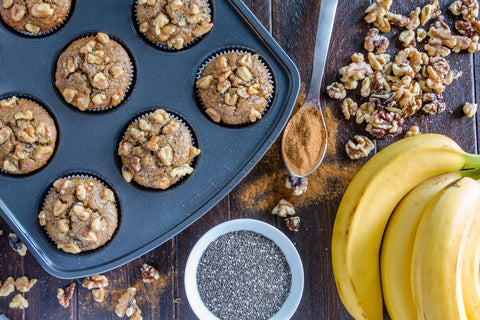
242 275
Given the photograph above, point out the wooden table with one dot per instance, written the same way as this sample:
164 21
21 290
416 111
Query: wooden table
293 24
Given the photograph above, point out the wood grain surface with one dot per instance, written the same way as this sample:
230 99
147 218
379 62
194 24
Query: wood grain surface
293 24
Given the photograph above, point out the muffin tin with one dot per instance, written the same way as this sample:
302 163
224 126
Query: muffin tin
88 140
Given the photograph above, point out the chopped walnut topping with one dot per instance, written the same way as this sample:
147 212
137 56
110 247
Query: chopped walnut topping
430 11
360 149
293 223
413 131
99 294
336 91
126 304
433 103
376 15
375 41
349 108
64 296
7 287
283 209
149 273
18 302
22 284
298 185
470 109
16 244
95 282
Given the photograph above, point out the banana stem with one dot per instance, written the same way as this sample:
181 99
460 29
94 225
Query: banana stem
472 161
472 173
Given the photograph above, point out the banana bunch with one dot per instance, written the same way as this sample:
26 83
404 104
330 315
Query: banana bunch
407 233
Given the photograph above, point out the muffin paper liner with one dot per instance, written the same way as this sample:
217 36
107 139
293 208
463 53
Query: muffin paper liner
173 115
81 174
131 83
44 106
45 33
227 50
165 47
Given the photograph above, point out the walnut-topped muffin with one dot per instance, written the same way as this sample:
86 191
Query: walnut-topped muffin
173 23
156 151
235 88
94 73
34 16
79 214
27 135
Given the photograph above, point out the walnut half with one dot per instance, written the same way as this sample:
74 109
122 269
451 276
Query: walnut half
360 149
64 296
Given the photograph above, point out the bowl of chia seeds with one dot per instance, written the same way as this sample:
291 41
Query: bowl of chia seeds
244 269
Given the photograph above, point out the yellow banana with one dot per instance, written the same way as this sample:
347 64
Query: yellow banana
437 251
470 275
397 245
367 205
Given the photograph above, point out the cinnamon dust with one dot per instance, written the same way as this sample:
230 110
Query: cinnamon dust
304 140
327 183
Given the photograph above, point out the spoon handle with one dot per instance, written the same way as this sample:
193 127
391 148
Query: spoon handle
326 16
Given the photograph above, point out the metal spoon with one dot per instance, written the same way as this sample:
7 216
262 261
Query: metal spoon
326 18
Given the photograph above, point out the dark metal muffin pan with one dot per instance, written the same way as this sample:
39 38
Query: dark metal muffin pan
89 140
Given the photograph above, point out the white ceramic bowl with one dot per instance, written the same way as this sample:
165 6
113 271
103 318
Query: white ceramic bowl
268 231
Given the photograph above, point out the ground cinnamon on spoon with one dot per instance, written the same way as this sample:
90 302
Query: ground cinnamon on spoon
302 141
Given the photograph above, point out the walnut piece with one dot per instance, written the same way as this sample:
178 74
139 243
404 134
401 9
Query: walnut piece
18 302
336 91
433 103
467 8
468 28
283 209
376 42
349 108
64 296
126 304
385 125
293 223
137 314
430 11
358 69
16 244
95 282
7 287
298 185
440 40
413 131
376 15
470 109
149 273
360 149
408 38
99 294
22 284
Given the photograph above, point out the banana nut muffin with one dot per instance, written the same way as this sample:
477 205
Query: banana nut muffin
173 23
93 73
34 16
235 88
156 151
79 214
27 136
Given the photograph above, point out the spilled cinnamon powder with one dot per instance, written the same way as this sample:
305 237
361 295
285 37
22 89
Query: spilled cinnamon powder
327 183
304 140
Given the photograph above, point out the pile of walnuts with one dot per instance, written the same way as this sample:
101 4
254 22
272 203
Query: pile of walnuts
393 88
